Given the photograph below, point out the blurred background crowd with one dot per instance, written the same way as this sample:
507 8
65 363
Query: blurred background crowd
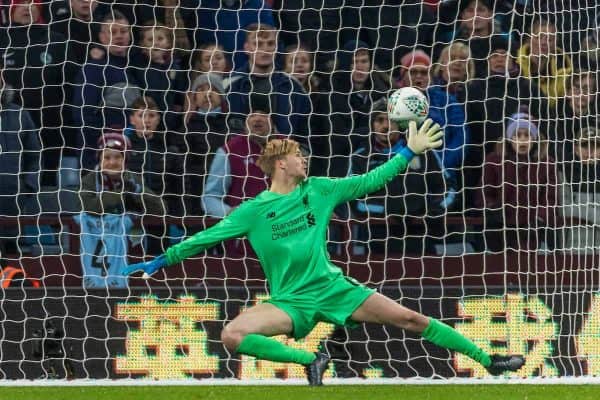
161 107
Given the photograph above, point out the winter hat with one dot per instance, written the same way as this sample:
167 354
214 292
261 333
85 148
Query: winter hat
521 121
414 58
113 140
380 106
214 80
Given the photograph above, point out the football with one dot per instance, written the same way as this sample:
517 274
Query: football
407 104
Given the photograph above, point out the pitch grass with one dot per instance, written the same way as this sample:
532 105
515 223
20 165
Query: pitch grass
391 392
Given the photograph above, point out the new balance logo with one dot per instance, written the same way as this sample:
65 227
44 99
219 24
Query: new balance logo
305 200
310 219
271 215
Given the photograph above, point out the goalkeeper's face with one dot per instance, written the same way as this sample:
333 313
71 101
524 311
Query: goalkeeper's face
294 166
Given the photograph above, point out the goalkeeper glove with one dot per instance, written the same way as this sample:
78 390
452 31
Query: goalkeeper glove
427 137
149 267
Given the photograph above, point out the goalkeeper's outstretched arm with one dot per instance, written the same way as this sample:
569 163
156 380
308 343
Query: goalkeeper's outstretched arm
429 136
233 226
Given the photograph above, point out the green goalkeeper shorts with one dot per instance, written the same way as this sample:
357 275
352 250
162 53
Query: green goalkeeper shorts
335 304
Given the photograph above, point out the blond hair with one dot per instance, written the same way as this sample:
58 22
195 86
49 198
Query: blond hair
275 150
447 53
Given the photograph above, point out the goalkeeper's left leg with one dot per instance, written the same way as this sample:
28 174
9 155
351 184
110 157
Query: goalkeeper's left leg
381 309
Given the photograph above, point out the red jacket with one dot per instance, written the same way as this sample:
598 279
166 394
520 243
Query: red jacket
525 189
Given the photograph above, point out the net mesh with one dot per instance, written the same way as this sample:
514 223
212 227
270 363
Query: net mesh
128 126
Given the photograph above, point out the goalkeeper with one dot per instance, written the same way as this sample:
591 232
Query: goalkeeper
287 227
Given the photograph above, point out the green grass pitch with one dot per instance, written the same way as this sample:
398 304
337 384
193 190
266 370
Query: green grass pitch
391 392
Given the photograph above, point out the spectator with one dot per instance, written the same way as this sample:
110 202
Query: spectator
33 58
490 102
578 110
227 23
77 21
580 188
19 155
289 103
161 76
355 87
518 189
110 188
74 19
299 64
204 132
419 192
476 26
110 194
443 109
454 69
234 175
542 61
390 28
211 57
153 154
104 87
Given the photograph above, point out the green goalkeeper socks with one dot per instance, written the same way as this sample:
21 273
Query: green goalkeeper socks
445 336
270 349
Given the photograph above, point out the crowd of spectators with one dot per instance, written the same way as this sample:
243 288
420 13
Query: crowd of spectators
196 92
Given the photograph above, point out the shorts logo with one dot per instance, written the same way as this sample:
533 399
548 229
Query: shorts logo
310 219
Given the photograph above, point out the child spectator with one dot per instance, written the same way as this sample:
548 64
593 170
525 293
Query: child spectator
227 23
153 155
211 57
299 64
162 77
518 189
419 192
578 110
204 131
110 188
490 102
110 196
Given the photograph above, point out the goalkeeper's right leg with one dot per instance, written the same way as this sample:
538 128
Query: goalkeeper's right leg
381 309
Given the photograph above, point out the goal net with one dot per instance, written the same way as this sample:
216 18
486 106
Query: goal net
127 126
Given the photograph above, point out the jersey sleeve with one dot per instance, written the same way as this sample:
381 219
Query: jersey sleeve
342 190
235 225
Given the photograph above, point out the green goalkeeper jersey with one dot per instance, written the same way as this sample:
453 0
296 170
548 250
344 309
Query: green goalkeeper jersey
288 232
